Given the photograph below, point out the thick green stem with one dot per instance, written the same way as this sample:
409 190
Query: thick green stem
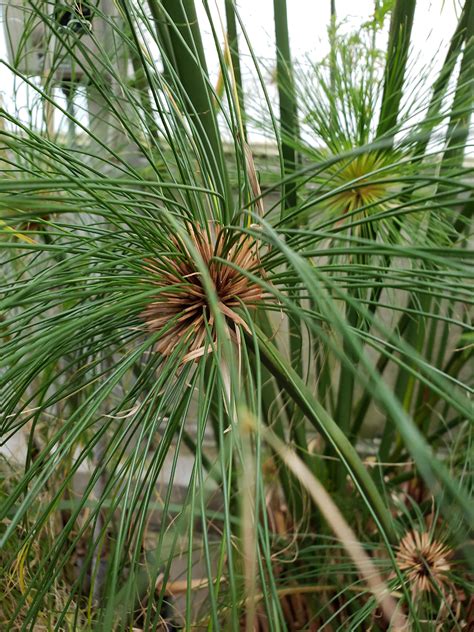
345 396
346 382
397 55
189 60
333 60
289 135
405 384
233 42
287 99
163 36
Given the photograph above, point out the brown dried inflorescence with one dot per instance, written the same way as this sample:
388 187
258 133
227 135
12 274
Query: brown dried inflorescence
425 561
181 308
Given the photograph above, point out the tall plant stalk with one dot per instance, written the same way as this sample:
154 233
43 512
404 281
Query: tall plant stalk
289 132
184 37
233 43
287 101
397 54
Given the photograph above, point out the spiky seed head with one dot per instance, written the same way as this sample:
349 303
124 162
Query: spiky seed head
424 560
181 308
359 183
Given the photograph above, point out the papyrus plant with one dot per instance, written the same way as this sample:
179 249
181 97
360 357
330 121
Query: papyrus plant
150 296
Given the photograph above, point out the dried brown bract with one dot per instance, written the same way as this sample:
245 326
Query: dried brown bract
181 308
425 561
